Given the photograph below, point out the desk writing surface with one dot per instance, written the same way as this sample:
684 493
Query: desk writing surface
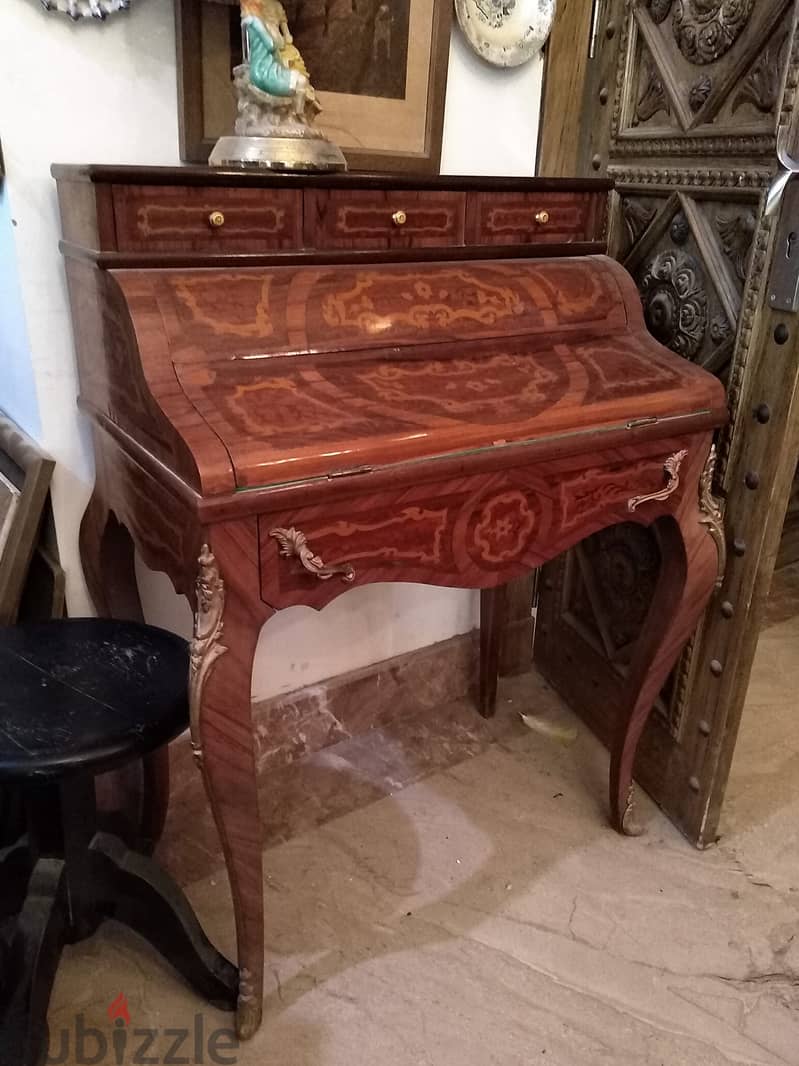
305 372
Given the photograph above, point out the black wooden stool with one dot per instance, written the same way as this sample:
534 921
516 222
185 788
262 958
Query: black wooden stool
77 698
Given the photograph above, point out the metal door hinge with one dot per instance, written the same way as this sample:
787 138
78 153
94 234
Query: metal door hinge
596 18
349 473
784 281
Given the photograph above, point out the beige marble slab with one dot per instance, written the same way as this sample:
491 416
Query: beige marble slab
475 909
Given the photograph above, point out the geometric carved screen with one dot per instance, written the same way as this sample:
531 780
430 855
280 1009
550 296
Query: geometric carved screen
684 118
702 68
698 78
690 259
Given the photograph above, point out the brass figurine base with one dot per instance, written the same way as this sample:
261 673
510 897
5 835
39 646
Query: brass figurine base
275 132
278 153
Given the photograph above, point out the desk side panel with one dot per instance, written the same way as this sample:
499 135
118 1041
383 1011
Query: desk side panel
87 214
163 525
132 386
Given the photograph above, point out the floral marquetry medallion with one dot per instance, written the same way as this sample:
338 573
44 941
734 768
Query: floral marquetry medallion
490 389
503 528
451 297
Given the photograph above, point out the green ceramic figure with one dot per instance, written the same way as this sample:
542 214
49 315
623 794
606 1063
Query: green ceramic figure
267 72
275 102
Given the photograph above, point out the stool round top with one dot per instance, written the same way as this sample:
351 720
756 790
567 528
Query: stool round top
87 694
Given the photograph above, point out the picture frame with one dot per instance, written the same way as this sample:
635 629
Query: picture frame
25 474
9 502
391 117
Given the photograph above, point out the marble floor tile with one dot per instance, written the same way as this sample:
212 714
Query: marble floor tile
355 771
783 600
446 892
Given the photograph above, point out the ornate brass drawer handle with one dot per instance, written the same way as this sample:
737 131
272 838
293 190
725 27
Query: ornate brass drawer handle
216 219
542 217
671 470
294 542
399 218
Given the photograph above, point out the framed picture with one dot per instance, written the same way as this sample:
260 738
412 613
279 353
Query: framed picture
379 68
9 501
24 484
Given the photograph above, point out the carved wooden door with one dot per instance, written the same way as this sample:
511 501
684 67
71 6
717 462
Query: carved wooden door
688 105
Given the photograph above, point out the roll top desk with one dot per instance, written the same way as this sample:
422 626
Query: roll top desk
297 385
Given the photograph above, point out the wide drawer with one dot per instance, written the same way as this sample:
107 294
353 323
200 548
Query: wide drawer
469 531
182 218
533 218
341 218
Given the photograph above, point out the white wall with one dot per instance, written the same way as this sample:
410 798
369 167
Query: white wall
491 115
74 93
17 385
106 93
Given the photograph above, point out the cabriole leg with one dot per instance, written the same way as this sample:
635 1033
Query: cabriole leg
138 794
226 634
688 573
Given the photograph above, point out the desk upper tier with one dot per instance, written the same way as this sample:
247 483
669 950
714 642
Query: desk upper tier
309 337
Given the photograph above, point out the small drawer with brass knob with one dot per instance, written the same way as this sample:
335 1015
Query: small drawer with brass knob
518 217
154 218
377 218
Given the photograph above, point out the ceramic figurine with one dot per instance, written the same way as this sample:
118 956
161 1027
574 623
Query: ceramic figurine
275 100
267 44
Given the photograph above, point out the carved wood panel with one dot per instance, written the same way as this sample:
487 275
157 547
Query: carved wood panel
690 255
683 107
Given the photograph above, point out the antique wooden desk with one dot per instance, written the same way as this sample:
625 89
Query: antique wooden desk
300 385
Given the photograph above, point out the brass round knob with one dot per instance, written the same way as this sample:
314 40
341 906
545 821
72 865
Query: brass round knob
399 218
542 217
216 219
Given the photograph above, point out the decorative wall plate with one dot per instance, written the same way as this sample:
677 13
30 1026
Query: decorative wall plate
506 32
78 9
